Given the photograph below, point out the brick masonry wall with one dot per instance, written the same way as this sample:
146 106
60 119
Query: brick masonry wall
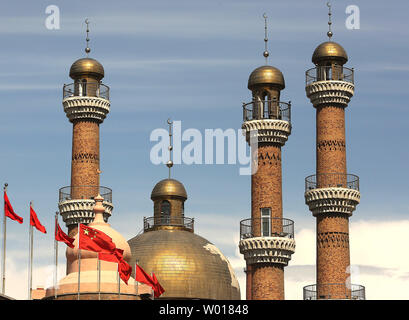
267 282
333 255
85 158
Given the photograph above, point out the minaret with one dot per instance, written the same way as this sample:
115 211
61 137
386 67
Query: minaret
267 239
86 104
187 265
331 194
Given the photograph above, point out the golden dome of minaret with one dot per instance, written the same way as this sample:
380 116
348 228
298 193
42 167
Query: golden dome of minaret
87 67
329 50
169 187
266 75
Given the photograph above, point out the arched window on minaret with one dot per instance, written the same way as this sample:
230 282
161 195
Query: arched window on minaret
266 222
83 90
165 212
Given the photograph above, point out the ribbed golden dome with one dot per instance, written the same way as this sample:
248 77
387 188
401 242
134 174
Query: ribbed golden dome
87 67
187 265
266 75
168 187
329 50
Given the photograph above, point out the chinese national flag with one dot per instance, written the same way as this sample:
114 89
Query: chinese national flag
94 240
115 256
62 236
143 277
8 210
35 222
158 290
124 268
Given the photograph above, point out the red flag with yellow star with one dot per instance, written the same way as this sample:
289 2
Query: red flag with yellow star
94 240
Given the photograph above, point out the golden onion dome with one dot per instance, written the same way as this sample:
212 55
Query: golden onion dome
186 265
329 50
266 75
87 67
168 187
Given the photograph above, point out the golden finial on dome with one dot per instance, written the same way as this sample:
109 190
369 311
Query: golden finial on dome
169 164
87 49
265 53
329 33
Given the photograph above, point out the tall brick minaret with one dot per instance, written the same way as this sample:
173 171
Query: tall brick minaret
86 104
266 239
331 194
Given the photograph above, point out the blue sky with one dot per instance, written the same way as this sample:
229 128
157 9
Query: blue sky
190 60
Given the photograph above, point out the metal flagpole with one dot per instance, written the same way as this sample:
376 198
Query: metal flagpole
30 275
119 282
99 278
79 262
153 293
56 256
136 282
3 270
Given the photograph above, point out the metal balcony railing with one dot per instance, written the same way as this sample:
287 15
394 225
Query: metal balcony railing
335 291
267 109
332 180
266 227
150 223
86 89
84 192
325 73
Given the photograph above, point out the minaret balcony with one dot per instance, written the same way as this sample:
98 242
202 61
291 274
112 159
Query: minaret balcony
332 193
267 240
76 203
334 291
86 89
168 222
330 85
86 100
267 120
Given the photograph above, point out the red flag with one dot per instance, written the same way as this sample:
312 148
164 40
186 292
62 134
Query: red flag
115 256
62 236
35 222
142 276
124 268
94 240
8 210
158 290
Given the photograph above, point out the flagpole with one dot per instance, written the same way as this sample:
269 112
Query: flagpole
3 270
99 277
136 283
79 262
30 270
56 256
153 294
119 282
